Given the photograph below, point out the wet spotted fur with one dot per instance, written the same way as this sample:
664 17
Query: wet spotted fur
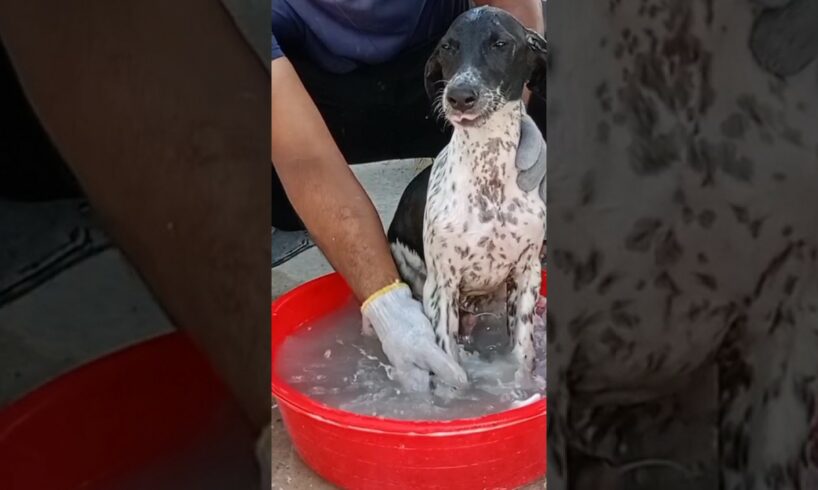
481 231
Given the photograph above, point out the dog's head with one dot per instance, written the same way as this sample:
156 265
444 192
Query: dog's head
483 61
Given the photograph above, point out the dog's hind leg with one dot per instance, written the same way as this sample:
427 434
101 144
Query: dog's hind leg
411 267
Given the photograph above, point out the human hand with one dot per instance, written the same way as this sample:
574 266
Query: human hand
408 340
531 158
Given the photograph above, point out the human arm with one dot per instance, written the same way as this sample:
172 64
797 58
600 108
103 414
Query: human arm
323 189
162 117
345 225
528 12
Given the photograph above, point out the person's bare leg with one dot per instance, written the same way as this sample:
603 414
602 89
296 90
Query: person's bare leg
162 111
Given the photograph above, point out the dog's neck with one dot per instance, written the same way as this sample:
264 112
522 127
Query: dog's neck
503 121
489 150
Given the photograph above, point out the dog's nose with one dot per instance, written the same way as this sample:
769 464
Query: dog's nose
461 97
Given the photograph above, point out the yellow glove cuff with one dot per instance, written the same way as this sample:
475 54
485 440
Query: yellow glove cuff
377 294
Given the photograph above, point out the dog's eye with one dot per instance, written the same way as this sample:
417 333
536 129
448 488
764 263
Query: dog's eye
499 44
446 46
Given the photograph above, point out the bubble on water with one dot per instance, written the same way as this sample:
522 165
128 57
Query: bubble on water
528 401
390 371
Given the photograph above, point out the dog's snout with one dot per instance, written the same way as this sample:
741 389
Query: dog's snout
461 97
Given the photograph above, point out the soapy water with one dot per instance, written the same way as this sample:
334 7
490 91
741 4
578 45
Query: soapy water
334 363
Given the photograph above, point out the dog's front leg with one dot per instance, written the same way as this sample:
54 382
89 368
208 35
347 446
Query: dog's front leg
440 301
523 293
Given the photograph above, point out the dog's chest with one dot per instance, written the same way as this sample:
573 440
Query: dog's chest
478 224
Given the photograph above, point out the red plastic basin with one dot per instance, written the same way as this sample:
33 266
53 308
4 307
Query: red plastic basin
358 452
150 416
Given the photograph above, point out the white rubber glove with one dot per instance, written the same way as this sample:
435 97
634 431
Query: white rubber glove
531 157
408 340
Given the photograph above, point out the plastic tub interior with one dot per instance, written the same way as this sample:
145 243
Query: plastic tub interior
152 416
503 450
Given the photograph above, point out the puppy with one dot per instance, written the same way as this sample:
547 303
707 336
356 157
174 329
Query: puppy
464 232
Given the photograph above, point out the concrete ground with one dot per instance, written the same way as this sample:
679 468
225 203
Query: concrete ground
62 325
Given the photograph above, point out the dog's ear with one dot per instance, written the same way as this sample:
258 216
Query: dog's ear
538 61
433 74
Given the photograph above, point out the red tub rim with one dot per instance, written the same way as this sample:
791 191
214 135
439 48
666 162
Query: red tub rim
286 394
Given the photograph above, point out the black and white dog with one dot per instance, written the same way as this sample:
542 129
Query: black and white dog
464 232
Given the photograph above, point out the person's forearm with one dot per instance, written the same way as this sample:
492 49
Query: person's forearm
162 119
323 190
528 12
346 227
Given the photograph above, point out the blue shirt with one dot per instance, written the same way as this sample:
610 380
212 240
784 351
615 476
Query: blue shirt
277 53
340 35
